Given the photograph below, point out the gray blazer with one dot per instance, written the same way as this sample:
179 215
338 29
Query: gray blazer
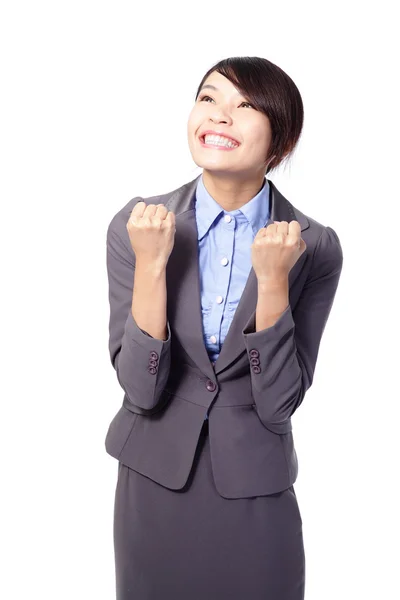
255 386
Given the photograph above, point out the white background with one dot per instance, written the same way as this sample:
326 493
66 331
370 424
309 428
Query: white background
94 103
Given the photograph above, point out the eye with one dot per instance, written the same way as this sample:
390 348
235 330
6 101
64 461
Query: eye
204 97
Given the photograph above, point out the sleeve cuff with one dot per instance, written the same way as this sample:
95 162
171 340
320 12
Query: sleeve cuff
141 337
284 324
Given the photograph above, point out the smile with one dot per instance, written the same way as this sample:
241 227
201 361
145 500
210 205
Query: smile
218 141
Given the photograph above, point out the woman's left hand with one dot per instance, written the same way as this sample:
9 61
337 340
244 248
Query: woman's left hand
276 249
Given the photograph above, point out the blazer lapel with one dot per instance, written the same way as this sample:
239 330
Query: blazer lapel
233 346
183 281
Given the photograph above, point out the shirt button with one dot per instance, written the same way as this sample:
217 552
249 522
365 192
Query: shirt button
227 218
219 299
210 385
224 261
213 339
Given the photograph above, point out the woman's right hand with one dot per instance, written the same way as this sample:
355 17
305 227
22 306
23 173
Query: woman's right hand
151 232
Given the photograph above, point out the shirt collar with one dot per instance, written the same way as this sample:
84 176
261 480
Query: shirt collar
256 211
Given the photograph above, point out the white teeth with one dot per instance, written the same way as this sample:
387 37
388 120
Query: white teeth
218 140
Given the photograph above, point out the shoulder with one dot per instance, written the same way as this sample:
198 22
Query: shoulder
117 232
120 218
323 244
322 240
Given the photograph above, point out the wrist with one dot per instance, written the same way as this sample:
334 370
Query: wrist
273 282
156 269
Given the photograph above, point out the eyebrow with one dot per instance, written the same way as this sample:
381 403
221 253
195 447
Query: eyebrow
212 87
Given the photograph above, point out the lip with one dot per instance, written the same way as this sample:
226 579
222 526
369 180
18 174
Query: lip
213 132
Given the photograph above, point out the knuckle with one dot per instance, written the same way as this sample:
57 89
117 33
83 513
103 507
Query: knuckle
291 241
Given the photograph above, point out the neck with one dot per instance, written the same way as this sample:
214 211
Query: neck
231 193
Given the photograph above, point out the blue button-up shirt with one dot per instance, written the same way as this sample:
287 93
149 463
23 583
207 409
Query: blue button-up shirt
224 245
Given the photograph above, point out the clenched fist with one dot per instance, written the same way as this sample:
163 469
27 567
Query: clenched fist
152 233
276 249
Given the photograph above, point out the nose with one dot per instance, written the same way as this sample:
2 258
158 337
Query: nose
219 116
216 121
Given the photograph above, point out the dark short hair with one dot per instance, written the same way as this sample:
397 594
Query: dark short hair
271 91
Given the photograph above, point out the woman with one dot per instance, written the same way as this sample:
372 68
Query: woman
219 294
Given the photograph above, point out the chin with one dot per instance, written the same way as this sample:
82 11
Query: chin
214 165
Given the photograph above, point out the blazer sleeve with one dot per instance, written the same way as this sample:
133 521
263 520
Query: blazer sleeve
288 350
142 363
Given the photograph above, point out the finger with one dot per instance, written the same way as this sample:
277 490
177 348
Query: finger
161 211
139 209
293 238
282 227
150 210
261 233
170 218
272 227
295 229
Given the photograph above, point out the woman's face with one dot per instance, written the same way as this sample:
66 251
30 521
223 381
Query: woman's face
224 110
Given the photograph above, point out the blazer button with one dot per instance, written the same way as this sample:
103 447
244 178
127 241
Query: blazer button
256 369
154 363
210 385
153 355
254 361
254 353
152 370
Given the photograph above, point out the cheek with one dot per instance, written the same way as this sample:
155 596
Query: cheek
194 122
198 115
259 138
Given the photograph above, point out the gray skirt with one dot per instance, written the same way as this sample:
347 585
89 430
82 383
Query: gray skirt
193 544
